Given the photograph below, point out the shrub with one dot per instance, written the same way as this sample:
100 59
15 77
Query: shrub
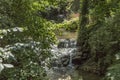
105 42
70 25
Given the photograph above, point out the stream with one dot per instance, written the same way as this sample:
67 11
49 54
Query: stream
62 65
66 50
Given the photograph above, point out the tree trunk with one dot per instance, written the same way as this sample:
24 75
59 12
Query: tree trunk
81 40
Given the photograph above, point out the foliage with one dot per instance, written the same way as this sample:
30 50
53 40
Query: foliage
98 31
27 63
5 55
104 42
113 72
56 12
70 25
27 36
105 37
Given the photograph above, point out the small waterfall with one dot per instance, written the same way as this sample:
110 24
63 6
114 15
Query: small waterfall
70 61
62 60
67 45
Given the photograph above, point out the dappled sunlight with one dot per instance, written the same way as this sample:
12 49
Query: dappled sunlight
59 39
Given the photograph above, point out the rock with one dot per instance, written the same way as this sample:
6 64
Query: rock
66 62
67 43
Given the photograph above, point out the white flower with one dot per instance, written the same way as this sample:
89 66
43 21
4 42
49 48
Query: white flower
1 67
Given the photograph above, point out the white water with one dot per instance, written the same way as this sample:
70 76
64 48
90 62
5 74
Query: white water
60 72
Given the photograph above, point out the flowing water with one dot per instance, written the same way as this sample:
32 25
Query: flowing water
67 48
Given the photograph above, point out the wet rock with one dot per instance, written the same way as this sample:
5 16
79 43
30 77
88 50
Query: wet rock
66 62
67 43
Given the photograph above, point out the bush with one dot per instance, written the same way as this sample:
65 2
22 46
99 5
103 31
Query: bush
70 25
104 38
105 42
29 42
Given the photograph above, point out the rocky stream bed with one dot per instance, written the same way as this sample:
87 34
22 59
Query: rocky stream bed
66 61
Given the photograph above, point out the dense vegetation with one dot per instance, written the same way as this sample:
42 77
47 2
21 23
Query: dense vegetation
98 39
28 28
24 36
